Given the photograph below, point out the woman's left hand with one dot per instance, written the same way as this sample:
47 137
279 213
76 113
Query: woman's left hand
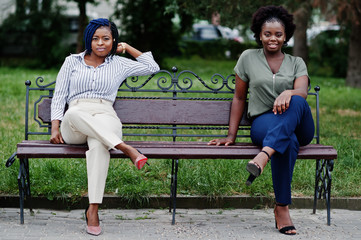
282 102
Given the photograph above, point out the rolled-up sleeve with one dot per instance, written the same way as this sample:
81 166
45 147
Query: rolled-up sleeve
145 65
148 60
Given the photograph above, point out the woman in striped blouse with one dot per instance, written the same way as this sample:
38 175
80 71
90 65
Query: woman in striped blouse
88 82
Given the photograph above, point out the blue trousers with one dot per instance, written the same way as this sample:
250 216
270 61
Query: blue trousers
284 133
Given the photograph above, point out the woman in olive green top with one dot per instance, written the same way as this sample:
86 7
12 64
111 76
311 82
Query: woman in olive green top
282 121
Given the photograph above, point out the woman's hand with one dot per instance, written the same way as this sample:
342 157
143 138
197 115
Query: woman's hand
222 141
121 48
56 137
282 102
125 47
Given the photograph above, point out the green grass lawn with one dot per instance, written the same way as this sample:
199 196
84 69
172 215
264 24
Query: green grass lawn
340 127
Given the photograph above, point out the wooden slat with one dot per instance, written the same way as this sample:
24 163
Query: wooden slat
164 112
165 150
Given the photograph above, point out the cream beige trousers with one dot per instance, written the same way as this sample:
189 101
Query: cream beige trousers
95 122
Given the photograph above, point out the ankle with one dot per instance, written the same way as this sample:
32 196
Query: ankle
281 204
268 151
281 208
268 156
282 212
122 147
128 151
92 215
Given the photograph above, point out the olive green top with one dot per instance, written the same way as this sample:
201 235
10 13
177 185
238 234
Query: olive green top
264 86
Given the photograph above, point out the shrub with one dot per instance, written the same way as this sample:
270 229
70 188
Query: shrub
34 39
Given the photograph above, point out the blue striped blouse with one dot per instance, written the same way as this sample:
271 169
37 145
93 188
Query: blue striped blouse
77 80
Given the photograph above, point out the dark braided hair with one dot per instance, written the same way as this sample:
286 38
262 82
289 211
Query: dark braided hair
270 14
93 26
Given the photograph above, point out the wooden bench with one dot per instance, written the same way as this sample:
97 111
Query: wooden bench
173 109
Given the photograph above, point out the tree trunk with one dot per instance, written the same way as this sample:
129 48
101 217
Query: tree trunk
81 25
301 18
353 78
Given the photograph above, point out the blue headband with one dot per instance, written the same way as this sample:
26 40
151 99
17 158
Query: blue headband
90 30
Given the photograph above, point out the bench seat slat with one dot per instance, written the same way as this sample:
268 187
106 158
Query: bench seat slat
164 150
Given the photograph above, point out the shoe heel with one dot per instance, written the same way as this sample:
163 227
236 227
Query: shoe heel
250 179
86 217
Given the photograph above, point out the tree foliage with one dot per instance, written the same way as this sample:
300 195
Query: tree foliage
348 14
35 31
146 25
233 12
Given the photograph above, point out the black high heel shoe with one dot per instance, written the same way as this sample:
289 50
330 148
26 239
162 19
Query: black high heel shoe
92 230
284 230
255 170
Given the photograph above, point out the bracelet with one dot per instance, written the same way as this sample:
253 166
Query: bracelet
123 47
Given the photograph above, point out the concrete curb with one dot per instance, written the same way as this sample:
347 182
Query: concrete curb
187 202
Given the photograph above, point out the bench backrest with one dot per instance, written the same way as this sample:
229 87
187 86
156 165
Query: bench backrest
166 104
164 112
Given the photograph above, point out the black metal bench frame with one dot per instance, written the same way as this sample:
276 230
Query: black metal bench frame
171 86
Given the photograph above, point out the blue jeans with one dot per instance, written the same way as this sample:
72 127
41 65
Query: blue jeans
284 133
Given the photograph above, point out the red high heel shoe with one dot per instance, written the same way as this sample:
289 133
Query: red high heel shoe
140 161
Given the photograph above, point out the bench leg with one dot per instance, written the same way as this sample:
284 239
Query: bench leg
173 188
317 179
328 191
24 186
21 197
323 182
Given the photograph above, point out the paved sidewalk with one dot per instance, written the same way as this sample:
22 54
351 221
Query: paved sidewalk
190 224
